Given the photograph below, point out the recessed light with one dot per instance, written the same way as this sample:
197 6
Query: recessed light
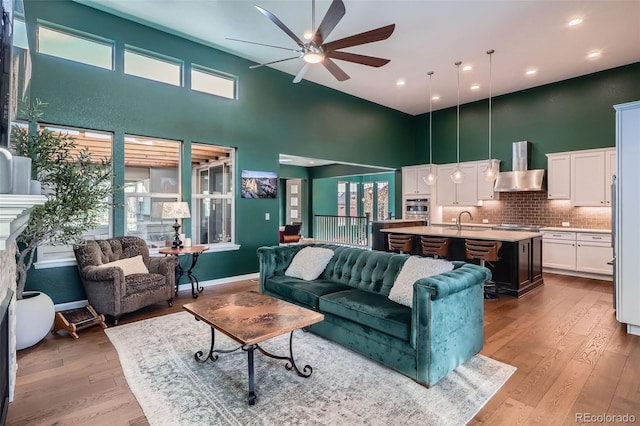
435 98
475 87
575 21
594 55
467 68
312 162
285 160
531 72
401 82
307 35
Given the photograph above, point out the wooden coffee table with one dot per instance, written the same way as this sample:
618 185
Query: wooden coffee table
250 318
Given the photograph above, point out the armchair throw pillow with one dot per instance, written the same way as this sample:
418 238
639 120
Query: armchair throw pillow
414 268
309 263
131 265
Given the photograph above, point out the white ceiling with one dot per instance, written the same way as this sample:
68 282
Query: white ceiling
429 36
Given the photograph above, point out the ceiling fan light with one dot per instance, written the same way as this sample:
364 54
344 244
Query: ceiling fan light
313 57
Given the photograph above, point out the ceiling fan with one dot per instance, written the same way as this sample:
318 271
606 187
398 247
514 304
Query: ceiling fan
317 50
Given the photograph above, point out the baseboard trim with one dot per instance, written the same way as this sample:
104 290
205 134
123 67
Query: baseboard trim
209 283
70 305
602 277
633 329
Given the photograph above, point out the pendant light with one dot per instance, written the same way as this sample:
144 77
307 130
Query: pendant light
493 168
458 175
430 178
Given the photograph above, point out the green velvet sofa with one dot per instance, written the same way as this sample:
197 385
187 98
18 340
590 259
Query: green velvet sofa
442 330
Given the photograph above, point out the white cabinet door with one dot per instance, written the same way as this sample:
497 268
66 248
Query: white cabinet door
593 257
467 191
558 176
588 179
409 180
559 254
610 168
422 187
485 188
446 189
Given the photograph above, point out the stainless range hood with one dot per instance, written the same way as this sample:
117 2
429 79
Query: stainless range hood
521 178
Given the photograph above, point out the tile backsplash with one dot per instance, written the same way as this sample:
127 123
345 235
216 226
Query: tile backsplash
533 208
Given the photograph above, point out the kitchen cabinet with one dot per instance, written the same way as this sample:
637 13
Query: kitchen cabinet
485 188
462 194
413 180
519 269
610 168
593 251
559 250
588 178
559 176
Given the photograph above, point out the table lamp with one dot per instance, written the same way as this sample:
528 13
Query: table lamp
176 210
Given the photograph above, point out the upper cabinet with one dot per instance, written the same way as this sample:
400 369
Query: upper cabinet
584 177
462 194
485 188
559 176
413 180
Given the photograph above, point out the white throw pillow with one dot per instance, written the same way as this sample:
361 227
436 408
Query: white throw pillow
309 263
414 268
131 265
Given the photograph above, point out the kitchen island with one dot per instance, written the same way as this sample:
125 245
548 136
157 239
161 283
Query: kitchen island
519 269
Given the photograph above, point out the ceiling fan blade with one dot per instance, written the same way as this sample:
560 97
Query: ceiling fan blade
273 18
335 70
262 44
358 59
272 62
331 18
301 73
378 34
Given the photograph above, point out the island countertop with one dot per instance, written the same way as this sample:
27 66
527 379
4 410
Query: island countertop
466 232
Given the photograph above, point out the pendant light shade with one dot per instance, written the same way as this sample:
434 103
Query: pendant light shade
490 173
430 178
458 175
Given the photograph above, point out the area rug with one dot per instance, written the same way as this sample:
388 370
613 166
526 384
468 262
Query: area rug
344 389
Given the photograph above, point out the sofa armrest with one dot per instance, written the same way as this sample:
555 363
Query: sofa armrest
165 266
104 287
275 260
462 277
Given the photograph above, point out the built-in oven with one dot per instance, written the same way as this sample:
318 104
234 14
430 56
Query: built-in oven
417 208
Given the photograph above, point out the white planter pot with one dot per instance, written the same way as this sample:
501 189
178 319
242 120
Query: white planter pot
34 318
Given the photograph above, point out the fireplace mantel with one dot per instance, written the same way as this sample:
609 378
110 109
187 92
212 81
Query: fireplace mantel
14 215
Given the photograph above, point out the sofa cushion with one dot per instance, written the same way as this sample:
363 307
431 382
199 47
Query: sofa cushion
303 292
309 263
139 283
130 265
414 268
369 309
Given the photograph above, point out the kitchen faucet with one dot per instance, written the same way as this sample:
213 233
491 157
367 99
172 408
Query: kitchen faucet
459 221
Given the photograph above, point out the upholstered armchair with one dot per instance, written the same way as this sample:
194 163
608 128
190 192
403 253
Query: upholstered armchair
119 276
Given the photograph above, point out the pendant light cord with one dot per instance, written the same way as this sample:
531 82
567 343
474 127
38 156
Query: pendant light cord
490 53
458 117
430 73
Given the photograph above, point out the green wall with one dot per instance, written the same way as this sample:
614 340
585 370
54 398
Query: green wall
271 116
564 116
274 116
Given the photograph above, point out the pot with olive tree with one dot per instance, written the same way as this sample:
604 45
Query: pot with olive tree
78 189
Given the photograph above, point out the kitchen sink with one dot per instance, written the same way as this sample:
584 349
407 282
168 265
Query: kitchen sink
468 228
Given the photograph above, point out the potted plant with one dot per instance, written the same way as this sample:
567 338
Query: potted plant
77 188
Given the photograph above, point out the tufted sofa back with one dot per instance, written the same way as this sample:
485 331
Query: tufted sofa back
99 252
373 271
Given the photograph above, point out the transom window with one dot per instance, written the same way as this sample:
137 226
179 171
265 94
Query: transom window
213 82
84 48
152 66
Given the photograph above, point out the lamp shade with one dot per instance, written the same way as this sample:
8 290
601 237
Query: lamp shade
175 210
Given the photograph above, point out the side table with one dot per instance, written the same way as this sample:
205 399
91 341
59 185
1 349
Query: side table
180 272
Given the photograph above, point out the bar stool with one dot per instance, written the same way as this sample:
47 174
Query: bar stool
435 246
485 251
402 243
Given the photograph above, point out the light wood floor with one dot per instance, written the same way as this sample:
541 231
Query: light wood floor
571 354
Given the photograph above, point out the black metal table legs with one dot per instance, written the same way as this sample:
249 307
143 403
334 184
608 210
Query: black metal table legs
195 284
290 365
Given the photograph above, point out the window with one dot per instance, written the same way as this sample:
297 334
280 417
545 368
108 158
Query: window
99 143
342 198
86 49
212 205
212 82
367 199
152 66
353 199
152 177
383 200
